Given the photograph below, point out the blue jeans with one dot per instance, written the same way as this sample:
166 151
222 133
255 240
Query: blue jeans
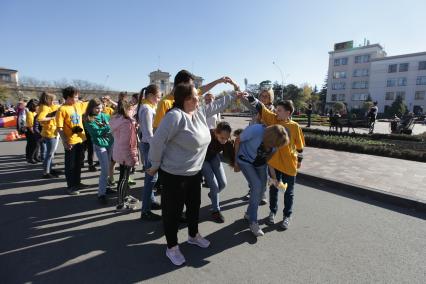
215 177
104 157
51 145
288 195
147 195
256 177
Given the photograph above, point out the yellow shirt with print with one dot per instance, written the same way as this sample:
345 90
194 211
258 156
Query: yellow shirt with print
69 116
285 158
163 106
48 128
108 110
29 119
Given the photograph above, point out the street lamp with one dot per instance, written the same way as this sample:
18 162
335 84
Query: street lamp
282 79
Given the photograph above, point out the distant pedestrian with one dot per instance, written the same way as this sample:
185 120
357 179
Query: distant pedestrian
309 114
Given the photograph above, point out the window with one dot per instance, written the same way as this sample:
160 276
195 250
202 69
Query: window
392 68
400 94
339 86
359 97
390 96
391 83
360 72
362 58
402 81
421 80
419 95
339 75
341 97
334 97
341 61
5 77
422 65
360 85
403 67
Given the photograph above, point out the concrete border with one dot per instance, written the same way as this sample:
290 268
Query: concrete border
375 194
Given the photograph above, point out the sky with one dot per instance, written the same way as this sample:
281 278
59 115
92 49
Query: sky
118 43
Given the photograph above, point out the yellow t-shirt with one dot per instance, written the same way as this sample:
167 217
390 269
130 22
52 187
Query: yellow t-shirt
48 128
69 116
285 158
163 106
29 119
108 110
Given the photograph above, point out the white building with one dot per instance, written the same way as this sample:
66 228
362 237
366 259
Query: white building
162 80
402 75
354 73
349 73
8 77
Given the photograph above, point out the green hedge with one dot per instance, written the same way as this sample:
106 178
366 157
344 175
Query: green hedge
375 136
363 146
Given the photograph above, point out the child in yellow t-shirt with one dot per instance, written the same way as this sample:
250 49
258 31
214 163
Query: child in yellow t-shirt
287 160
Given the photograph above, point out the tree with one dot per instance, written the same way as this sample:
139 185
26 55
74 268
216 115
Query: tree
323 94
339 107
398 108
4 94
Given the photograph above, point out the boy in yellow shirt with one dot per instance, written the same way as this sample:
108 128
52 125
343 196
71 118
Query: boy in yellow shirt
70 127
287 160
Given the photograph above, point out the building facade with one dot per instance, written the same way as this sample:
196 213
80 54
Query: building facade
402 75
8 77
355 74
349 73
162 80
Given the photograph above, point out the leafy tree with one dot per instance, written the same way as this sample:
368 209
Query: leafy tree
398 108
339 107
4 94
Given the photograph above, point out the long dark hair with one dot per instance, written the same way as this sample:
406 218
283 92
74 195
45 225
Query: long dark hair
182 92
144 93
89 115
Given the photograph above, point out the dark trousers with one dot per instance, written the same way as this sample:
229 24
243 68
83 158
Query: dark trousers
32 147
288 195
123 185
73 165
88 146
179 191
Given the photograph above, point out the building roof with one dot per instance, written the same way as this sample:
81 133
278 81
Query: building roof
357 48
6 69
399 56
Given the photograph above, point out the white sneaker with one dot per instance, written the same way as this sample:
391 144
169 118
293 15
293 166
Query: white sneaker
199 241
257 232
271 219
175 256
131 200
285 223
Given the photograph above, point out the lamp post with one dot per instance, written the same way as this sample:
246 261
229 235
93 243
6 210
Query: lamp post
282 79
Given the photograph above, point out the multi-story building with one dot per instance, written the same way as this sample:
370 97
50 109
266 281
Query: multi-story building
354 74
349 73
162 80
8 77
401 75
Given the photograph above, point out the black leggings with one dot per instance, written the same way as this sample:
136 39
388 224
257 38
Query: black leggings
179 191
123 186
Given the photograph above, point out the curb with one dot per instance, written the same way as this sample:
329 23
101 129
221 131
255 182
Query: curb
375 194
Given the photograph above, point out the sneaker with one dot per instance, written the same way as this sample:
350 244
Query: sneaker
124 208
92 168
254 228
175 256
271 219
48 176
149 216
31 162
73 191
155 205
285 223
246 197
218 217
83 186
111 182
131 181
109 190
199 241
103 200
263 201
56 173
131 200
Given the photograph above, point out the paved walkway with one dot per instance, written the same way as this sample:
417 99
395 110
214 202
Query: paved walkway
396 176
